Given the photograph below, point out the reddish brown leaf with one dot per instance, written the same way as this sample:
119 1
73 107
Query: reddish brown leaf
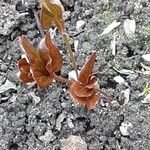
93 100
80 90
54 10
84 90
90 102
24 67
45 18
42 61
86 70
92 79
54 53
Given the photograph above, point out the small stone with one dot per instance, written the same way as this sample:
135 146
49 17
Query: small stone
70 124
66 15
146 100
129 26
76 43
9 18
125 94
124 128
146 59
64 105
35 98
73 143
115 105
72 75
13 98
3 67
80 25
59 120
126 71
119 79
7 86
128 9
110 27
47 137
88 13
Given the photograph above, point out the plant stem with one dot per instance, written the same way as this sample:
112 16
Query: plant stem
38 23
62 79
73 60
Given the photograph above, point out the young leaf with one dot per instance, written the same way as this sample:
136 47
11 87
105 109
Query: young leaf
87 69
84 95
52 14
46 18
25 74
54 53
41 61
84 90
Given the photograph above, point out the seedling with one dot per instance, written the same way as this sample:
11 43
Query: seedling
42 63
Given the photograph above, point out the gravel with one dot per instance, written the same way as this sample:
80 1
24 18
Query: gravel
46 119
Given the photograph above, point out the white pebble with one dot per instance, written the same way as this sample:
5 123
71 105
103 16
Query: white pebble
119 79
146 57
129 27
124 128
72 75
7 86
146 100
80 24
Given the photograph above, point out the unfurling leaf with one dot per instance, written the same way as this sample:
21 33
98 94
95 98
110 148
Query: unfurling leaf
84 90
43 62
86 70
25 75
52 14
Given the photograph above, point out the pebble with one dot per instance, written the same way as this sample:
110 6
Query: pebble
7 86
35 98
9 19
88 13
110 27
129 26
80 24
3 67
66 15
76 43
146 59
146 100
124 128
119 79
47 137
126 94
72 75
73 143
70 124
59 120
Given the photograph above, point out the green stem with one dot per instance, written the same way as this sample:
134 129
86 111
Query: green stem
73 60
62 79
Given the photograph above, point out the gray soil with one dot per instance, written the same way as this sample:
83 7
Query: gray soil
33 119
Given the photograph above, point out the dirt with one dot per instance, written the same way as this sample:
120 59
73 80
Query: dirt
28 115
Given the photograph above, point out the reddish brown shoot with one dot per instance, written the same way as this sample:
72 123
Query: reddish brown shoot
42 63
51 14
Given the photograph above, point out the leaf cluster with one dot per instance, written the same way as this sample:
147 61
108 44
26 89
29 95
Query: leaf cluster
41 63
